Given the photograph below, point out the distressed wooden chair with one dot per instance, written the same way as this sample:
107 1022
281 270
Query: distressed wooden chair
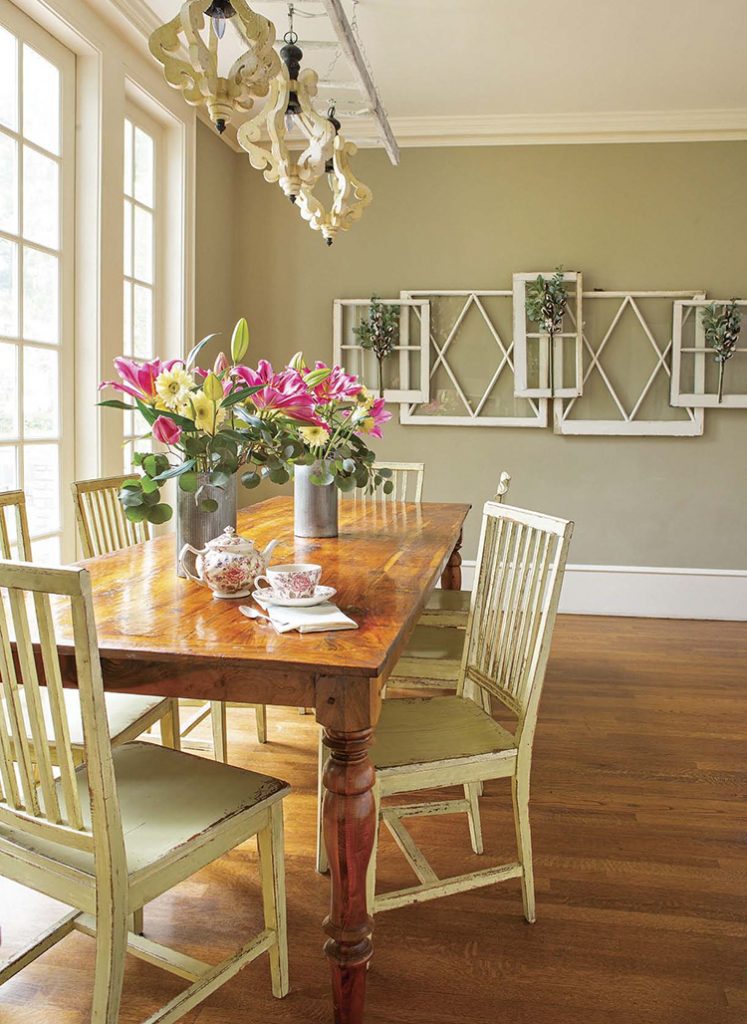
433 654
103 528
132 823
128 715
407 478
430 743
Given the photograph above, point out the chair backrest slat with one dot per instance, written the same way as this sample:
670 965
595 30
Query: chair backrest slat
13 512
102 524
514 603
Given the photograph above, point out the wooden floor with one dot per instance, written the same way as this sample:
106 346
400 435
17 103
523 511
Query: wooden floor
640 830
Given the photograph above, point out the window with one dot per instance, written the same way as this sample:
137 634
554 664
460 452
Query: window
37 125
141 254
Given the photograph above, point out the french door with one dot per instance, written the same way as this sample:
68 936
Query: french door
37 262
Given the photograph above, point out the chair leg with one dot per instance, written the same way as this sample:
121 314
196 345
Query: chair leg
261 712
520 795
220 737
371 872
272 869
322 864
111 949
472 794
304 711
137 922
169 726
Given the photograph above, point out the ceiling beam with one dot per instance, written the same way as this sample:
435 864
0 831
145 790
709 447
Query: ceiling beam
352 53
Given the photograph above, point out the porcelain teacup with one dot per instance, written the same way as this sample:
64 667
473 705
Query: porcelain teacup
290 582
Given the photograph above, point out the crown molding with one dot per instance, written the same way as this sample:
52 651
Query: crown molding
563 129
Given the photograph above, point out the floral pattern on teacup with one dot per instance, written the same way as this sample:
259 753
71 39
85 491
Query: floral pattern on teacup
292 584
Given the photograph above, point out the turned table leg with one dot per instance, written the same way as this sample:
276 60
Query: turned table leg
349 825
451 577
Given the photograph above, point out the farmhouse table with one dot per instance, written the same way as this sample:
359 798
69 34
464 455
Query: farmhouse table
162 635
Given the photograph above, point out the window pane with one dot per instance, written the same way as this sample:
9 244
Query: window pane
8 469
143 245
41 199
8 79
8 288
143 167
143 322
127 320
41 481
8 184
40 296
8 392
41 101
128 237
40 392
47 551
128 158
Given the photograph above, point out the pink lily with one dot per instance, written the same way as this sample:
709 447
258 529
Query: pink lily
337 387
138 379
372 421
283 392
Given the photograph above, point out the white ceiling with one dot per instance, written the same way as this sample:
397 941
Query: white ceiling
521 64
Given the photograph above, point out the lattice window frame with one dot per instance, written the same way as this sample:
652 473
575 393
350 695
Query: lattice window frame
700 399
522 337
417 394
407 414
629 426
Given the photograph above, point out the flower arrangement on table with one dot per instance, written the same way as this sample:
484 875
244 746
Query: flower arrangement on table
234 419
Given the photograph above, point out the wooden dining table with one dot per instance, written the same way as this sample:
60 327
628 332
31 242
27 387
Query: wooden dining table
162 635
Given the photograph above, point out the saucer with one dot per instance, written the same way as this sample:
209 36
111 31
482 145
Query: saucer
320 595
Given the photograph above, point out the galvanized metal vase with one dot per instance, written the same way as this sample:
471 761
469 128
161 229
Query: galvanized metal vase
314 507
197 528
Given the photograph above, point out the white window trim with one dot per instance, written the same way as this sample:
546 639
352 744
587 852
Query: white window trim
113 68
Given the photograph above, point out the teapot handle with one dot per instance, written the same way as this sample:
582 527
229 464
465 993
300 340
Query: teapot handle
183 563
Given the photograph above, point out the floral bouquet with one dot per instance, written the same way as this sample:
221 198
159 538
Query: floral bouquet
234 419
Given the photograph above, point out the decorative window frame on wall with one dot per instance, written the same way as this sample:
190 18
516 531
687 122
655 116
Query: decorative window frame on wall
523 337
473 417
405 393
700 398
628 425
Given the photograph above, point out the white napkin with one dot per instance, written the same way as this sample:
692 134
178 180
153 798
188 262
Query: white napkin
317 619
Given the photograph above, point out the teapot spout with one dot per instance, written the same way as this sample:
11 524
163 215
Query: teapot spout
267 553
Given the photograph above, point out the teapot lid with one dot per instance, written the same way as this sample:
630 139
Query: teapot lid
229 540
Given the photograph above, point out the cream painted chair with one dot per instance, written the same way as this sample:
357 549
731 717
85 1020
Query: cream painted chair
130 824
128 715
436 742
407 478
103 528
433 654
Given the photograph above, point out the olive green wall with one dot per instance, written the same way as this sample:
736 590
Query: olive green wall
654 216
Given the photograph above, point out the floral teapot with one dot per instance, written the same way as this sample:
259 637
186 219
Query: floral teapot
228 565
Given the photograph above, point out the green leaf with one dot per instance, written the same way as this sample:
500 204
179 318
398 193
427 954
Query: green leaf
131 498
348 465
192 357
207 505
384 472
346 483
388 486
189 482
149 413
279 476
150 465
149 485
213 388
219 478
240 340
133 484
239 396
152 498
159 514
251 480
184 467
116 403
135 513
322 479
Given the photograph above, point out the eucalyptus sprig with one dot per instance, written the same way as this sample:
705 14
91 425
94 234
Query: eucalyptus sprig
378 333
721 331
546 303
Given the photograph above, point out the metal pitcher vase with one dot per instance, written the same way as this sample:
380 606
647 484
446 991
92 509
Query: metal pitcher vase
314 507
197 528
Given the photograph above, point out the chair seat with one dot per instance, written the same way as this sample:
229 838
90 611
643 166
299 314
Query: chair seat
123 711
431 653
424 730
168 801
447 608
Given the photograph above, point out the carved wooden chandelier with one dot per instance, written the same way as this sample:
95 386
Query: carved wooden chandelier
290 96
198 79
326 153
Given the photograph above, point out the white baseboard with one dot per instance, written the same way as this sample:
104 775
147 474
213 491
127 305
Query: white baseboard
649 591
